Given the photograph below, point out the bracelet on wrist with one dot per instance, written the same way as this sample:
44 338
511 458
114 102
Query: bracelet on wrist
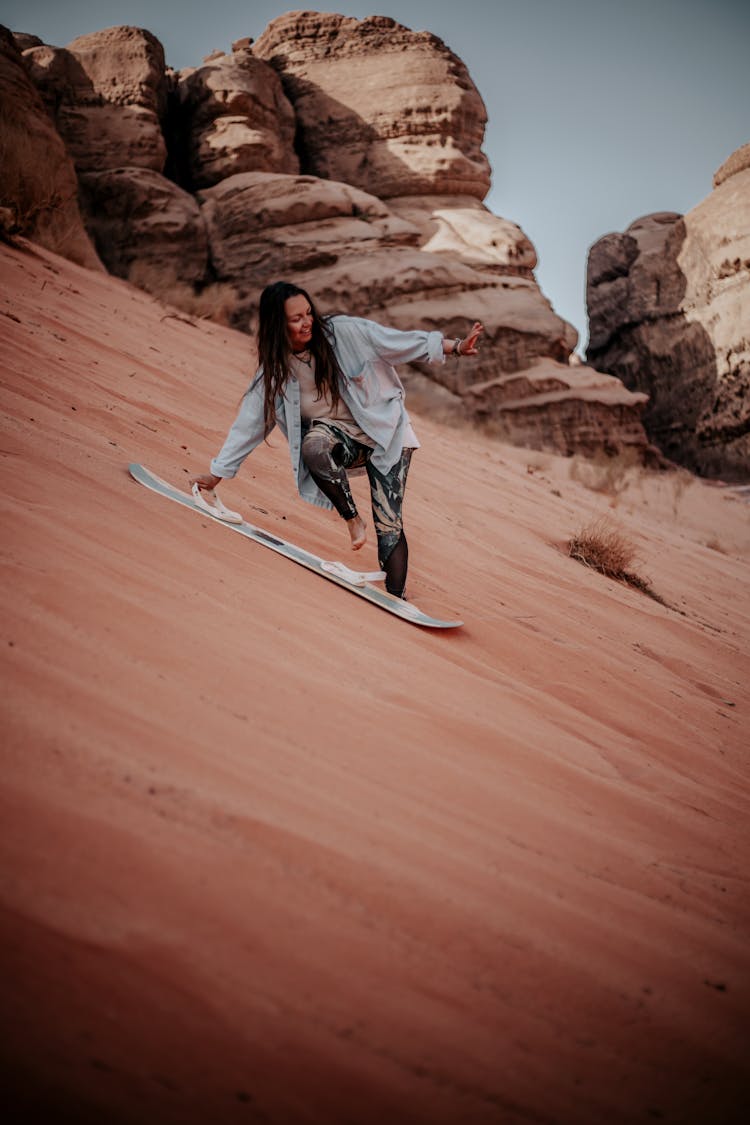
457 346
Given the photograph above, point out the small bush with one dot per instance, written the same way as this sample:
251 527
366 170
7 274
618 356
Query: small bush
603 547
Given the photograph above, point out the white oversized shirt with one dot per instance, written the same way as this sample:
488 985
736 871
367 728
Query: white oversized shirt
369 386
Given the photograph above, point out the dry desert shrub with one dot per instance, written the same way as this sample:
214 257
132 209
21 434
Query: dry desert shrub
603 547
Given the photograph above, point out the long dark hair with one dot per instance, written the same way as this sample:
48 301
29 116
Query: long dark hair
273 349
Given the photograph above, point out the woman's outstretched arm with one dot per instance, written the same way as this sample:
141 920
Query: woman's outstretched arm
397 346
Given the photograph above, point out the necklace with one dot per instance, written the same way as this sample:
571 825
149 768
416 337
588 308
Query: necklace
303 356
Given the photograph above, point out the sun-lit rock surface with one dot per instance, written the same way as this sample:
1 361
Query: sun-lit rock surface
387 109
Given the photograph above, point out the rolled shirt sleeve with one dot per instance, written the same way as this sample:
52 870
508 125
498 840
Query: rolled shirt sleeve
395 346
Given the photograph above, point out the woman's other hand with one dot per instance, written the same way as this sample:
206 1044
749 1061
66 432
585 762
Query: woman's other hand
469 345
207 482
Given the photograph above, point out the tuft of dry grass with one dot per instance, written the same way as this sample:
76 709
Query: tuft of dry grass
603 547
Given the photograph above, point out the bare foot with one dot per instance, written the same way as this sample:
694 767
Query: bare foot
358 531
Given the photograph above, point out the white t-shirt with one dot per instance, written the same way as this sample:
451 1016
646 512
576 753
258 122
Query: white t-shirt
313 406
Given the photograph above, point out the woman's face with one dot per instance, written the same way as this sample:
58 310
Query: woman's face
298 322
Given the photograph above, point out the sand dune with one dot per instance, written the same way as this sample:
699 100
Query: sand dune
269 854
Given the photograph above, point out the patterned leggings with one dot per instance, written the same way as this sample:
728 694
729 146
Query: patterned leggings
328 452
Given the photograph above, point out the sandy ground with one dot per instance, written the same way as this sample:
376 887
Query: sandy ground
269 854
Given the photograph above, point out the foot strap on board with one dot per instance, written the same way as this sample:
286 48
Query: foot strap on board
214 506
356 577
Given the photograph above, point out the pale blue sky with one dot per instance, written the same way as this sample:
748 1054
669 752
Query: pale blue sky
599 110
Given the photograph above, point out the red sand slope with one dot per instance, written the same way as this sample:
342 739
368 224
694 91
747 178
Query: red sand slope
271 855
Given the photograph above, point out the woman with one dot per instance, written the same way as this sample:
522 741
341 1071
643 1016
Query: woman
329 384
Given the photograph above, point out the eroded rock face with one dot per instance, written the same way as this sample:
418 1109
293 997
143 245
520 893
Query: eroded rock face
389 110
22 40
125 66
669 309
106 93
145 227
357 254
263 226
234 117
38 186
565 409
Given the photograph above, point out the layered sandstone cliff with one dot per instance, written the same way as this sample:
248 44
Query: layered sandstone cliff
346 155
669 309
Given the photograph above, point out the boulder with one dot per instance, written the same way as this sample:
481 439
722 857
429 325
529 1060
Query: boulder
100 127
38 188
634 276
146 228
669 305
59 78
389 110
232 117
111 136
106 93
125 66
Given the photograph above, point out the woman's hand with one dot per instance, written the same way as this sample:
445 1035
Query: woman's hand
469 344
207 482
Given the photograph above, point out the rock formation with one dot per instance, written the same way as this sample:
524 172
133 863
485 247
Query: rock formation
551 405
346 155
107 94
38 188
233 117
147 228
669 309
368 116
